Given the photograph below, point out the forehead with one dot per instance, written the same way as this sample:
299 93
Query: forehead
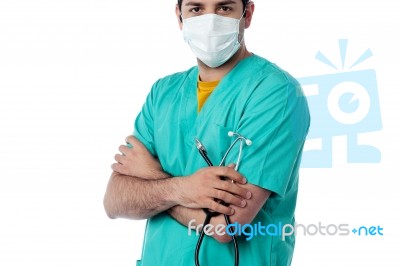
210 2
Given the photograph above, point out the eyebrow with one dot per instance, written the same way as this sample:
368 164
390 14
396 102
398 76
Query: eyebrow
193 4
227 2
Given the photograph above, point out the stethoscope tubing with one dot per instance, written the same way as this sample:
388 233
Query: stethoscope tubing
210 214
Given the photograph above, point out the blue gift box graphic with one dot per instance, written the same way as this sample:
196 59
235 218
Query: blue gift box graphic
345 103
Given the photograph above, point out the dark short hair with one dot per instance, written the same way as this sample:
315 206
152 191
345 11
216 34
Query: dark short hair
180 3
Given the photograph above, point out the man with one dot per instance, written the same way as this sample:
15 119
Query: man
160 175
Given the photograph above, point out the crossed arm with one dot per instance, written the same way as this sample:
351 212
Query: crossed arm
139 189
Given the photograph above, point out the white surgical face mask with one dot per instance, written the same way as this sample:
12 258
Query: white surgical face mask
212 38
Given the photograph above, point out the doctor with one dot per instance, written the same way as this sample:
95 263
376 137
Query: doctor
160 175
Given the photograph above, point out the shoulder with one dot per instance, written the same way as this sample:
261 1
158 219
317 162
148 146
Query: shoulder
175 80
271 73
171 88
260 76
265 80
274 90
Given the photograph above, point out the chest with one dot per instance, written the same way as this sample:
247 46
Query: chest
177 124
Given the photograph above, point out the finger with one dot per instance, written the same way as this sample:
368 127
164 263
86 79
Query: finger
232 165
231 174
129 139
217 207
132 140
232 188
124 149
121 159
119 168
228 198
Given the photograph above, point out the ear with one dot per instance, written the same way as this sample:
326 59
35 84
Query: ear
249 14
178 16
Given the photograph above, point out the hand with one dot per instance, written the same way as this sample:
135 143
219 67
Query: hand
205 189
137 161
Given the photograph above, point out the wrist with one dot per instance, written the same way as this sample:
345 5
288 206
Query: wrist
175 191
160 174
155 174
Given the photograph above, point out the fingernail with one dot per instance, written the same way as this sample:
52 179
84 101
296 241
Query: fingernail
248 195
244 180
232 211
243 203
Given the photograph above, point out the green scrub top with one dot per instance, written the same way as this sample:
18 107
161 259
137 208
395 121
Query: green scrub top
255 99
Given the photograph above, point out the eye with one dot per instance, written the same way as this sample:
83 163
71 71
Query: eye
195 10
224 9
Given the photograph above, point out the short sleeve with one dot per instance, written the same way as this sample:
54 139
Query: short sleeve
144 123
276 120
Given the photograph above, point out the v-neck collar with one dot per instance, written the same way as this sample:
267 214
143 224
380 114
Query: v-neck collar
227 84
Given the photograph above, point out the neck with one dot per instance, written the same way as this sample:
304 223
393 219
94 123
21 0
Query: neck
212 74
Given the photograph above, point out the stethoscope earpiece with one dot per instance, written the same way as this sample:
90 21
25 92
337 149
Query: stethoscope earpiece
247 141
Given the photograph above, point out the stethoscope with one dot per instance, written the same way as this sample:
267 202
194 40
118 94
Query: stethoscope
210 214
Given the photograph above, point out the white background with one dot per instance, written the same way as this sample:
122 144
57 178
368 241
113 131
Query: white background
74 74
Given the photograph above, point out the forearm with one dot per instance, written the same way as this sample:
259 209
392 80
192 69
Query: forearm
136 198
185 215
139 189
195 218
242 215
